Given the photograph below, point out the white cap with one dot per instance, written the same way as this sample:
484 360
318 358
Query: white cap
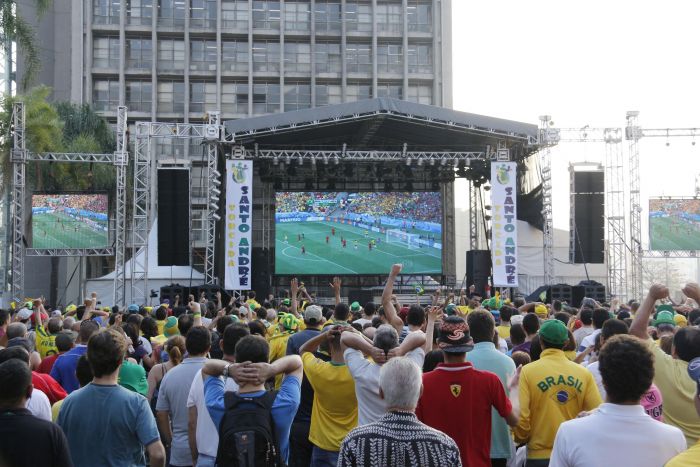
243 310
516 319
56 312
24 313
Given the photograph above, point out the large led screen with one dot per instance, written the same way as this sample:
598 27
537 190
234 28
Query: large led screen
70 220
674 224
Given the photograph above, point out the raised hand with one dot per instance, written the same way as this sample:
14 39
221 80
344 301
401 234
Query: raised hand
659 291
692 290
396 269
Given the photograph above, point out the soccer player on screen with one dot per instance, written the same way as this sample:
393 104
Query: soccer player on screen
333 231
327 238
303 250
286 240
355 243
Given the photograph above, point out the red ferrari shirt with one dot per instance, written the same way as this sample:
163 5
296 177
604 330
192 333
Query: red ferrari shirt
457 400
48 386
47 364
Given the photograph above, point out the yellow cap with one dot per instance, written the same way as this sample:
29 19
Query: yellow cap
681 321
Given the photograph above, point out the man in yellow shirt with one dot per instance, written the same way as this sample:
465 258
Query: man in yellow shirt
691 457
334 411
552 391
287 324
671 371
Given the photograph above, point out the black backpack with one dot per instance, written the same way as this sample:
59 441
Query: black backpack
247 433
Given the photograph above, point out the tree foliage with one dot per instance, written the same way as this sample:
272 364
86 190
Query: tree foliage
14 28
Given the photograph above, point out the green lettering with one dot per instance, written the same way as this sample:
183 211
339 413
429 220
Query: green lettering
570 381
543 386
550 381
561 380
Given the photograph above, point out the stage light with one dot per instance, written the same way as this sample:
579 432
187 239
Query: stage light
408 161
487 187
301 160
288 160
215 173
213 207
336 160
275 160
487 217
216 191
456 163
420 161
443 161
216 181
325 160
214 198
432 162
487 206
313 160
215 216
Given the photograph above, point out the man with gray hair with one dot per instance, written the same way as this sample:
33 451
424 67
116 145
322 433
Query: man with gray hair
398 438
365 373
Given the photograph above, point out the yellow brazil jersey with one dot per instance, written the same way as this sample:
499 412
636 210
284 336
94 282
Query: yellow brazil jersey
678 391
334 411
278 349
161 324
552 391
503 331
45 342
55 408
689 458
272 330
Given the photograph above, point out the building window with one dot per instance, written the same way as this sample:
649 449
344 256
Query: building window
389 17
234 56
421 93
390 58
203 55
171 96
297 96
202 96
395 91
171 13
358 58
139 54
420 16
328 17
171 55
297 57
139 12
328 57
105 94
234 98
420 58
138 96
358 16
106 11
234 14
358 91
266 15
328 94
297 16
105 52
266 56
203 14
198 223
266 98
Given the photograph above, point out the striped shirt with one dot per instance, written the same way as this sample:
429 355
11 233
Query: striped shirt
398 439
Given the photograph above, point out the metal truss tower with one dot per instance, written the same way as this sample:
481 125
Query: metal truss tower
213 183
615 213
633 134
121 162
19 167
547 137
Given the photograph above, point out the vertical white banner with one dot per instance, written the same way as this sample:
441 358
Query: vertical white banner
504 231
239 224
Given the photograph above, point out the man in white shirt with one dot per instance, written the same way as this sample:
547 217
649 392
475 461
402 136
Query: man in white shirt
38 403
586 317
203 435
600 316
371 406
620 428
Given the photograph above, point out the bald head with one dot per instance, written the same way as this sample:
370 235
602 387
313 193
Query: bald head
16 330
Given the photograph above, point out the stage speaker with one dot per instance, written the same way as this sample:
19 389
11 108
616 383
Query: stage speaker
561 292
170 291
587 223
594 290
361 296
262 272
478 270
173 217
209 291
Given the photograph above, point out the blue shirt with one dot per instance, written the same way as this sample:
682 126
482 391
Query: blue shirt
107 426
283 410
63 370
486 357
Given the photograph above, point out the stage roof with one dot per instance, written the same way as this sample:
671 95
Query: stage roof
380 123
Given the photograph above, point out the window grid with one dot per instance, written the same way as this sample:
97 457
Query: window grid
390 58
105 52
139 54
328 94
328 17
171 55
297 57
106 11
139 12
266 56
266 14
202 96
266 98
328 57
389 18
234 14
203 13
138 96
234 56
358 91
171 96
297 96
234 98
297 16
105 94
203 55
421 93
171 13
393 90
419 16
358 17
358 58
420 58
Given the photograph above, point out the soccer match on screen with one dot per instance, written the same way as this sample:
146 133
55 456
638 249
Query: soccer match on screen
70 221
674 224
357 233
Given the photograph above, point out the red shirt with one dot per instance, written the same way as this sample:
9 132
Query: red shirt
48 386
457 400
47 364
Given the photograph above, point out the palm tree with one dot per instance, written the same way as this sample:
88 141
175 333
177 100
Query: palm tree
14 28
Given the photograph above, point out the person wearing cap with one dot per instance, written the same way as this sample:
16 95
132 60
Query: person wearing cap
620 428
299 444
552 390
251 300
457 398
355 310
287 325
670 371
486 357
665 324
690 457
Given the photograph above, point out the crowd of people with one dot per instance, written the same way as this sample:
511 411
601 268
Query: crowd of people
87 202
418 206
467 380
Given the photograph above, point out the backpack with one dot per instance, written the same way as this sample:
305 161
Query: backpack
247 433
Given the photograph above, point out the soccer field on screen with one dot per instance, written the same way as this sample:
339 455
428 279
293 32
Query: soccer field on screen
331 258
56 230
669 233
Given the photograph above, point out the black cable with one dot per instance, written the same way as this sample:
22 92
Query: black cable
583 258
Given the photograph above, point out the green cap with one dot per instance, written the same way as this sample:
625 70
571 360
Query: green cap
554 331
355 306
288 322
664 308
664 317
170 328
286 302
451 309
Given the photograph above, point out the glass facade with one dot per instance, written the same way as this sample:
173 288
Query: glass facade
328 17
234 98
297 57
297 96
105 52
420 16
358 91
266 15
105 94
139 54
358 58
234 56
139 12
106 11
171 13
420 58
420 93
203 55
297 16
171 55
266 98
235 14
393 90
328 57
138 95
171 96
358 16
328 94
390 58
389 18
202 96
266 56
203 14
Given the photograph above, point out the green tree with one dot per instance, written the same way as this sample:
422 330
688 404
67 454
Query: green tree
14 28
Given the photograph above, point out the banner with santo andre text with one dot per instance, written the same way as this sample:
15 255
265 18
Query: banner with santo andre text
239 222
504 229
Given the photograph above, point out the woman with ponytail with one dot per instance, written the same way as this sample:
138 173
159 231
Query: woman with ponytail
175 348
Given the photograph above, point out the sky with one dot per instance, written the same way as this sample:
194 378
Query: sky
586 64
